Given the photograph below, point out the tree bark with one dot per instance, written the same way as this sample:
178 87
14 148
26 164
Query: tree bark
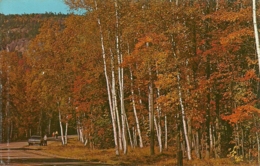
158 123
256 33
61 128
151 112
135 112
166 133
121 81
129 133
107 82
66 134
184 119
114 100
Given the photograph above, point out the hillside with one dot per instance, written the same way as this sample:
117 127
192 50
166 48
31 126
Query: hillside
17 30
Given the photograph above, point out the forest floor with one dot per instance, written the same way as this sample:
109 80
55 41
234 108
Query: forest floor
137 156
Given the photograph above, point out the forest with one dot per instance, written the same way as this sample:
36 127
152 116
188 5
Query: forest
136 73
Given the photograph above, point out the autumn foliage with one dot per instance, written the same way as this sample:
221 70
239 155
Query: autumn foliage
195 59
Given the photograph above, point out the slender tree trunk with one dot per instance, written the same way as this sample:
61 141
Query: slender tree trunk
256 33
135 112
257 140
258 56
242 142
183 119
78 129
129 133
196 144
183 114
86 141
158 124
66 134
159 133
166 133
121 81
179 149
61 128
114 100
151 112
134 137
107 83
211 138
81 137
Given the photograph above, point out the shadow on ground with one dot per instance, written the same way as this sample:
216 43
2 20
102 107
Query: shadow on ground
50 161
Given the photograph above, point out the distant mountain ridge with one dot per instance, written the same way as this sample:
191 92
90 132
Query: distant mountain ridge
17 30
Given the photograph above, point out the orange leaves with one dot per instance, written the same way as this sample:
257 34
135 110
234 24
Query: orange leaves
250 74
230 16
150 38
241 113
236 36
142 42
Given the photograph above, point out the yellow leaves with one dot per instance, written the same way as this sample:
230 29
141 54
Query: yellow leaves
251 61
151 39
166 80
143 42
236 36
230 16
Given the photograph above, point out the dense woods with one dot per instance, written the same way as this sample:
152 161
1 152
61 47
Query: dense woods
132 74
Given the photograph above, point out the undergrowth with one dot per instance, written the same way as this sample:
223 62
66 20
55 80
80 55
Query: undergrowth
135 156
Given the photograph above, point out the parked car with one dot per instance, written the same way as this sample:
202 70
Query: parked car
35 139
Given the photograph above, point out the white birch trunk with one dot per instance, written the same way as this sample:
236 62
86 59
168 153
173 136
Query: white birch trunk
121 81
135 112
258 56
256 33
66 134
182 110
210 138
166 133
129 133
134 137
114 101
159 132
107 83
78 130
81 135
151 111
61 128
86 142
184 119
197 145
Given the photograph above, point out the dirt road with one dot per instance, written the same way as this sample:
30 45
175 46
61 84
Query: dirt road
20 154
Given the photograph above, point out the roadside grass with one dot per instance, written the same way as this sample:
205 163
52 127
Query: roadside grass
137 156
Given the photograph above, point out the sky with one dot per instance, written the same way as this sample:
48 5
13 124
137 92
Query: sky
33 6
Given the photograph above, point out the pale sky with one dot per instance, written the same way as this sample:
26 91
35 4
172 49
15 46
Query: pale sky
33 6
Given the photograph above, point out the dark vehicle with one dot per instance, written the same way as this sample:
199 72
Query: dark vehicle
35 139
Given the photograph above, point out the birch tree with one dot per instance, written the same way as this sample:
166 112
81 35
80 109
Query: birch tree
256 33
258 57
120 79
